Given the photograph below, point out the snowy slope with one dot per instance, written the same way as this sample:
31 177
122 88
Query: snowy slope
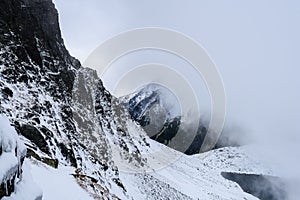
57 183
195 177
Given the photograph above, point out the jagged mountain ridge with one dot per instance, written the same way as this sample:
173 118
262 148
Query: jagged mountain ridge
66 117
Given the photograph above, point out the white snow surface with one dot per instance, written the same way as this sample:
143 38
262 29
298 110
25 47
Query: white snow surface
195 177
57 183
40 181
189 177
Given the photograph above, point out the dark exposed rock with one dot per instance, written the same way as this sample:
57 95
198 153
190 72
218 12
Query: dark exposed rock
118 182
168 131
34 135
46 131
41 23
68 153
49 161
261 186
7 188
7 92
198 141
31 153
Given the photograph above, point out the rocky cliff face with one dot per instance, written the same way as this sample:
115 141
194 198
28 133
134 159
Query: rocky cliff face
37 75
36 80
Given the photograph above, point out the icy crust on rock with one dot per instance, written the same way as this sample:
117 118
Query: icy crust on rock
15 177
26 188
12 150
9 138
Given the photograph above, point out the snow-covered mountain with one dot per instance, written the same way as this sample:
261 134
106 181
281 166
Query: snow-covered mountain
141 102
158 111
81 141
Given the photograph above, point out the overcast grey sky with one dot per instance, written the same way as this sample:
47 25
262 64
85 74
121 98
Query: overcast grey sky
255 45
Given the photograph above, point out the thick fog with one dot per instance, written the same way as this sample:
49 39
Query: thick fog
254 44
